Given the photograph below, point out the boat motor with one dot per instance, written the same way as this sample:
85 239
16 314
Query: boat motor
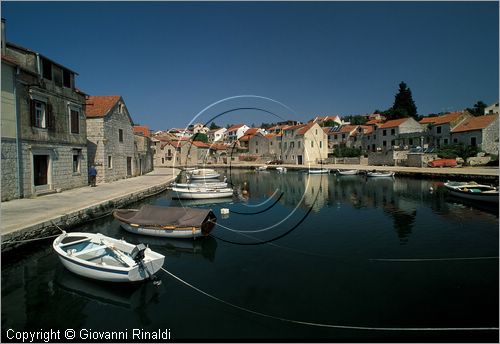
138 253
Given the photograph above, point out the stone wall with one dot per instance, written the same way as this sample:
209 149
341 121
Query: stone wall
9 170
420 159
387 158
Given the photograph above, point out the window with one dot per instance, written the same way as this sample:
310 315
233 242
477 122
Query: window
445 141
384 132
410 142
76 160
316 132
58 77
74 120
312 144
162 160
120 135
473 142
374 137
343 136
292 144
393 131
256 151
67 78
110 161
298 144
320 144
46 69
335 136
39 114
384 143
393 143
455 140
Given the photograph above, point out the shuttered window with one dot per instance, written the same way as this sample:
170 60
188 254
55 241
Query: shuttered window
75 121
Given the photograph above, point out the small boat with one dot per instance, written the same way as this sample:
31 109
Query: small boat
169 222
318 171
201 193
379 174
261 168
209 185
281 169
347 172
473 191
203 173
99 257
457 185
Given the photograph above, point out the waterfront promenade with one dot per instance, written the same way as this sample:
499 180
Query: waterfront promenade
25 219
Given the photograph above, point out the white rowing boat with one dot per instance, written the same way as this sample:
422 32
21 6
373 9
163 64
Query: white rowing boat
201 193
202 173
473 191
318 171
209 185
380 174
281 169
103 258
261 168
347 172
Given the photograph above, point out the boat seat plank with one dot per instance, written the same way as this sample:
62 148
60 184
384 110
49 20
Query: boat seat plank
96 248
74 242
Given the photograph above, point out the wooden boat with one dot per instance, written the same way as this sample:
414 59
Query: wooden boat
456 185
201 193
473 191
202 173
261 168
210 185
318 171
380 174
169 222
347 172
103 258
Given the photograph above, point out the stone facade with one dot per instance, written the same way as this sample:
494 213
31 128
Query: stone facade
483 132
304 144
111 141
143 158
44 124
386 136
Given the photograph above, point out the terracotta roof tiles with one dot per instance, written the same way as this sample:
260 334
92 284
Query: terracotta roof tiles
99 106
475 123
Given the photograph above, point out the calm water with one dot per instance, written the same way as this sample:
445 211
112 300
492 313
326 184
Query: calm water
295 246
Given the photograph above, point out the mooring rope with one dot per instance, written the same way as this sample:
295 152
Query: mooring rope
348 327
428 259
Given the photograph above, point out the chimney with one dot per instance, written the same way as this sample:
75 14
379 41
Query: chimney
3 36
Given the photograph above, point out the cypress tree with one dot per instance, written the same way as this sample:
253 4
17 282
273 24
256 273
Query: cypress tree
404 106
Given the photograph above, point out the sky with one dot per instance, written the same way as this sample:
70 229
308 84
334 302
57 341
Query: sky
170 61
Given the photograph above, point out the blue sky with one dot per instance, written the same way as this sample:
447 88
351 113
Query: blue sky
170 60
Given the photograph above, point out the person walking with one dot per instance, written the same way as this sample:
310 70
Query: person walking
92 175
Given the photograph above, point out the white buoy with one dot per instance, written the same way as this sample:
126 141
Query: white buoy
224 211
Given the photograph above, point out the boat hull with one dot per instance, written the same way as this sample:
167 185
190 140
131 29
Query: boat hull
318 171
98 269
380 175
348 172
482 197
165 233
201 195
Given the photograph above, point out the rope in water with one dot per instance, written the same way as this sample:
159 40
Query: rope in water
35 239
348 327
427 259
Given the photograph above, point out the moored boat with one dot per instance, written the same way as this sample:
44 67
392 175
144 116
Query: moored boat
380 174
261 168
169 222
347 172
318 171
473 191
210 185
202 173
281 169
201 193
99 257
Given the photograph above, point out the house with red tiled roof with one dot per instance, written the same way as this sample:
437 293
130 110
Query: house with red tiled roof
180 153
110 134
234 132
439 127
481 131
392 134
44 143
216 135
303 144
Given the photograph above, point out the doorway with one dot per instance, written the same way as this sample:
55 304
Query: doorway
129 166
299 159
40 171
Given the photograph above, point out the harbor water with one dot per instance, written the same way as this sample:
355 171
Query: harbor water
380 259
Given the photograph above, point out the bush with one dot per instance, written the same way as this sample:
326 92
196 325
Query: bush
346 152
457 150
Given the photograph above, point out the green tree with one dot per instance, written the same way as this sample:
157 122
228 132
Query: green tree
200 137
478 109
458 150
403 106
214 126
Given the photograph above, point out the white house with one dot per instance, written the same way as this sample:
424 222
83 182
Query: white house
235 132
216 135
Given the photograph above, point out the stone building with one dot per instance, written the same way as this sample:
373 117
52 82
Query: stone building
439 127
234 132
143 158
216 135
304 144
44 145
481 131
387 135
172 153
259 144
110 138
491 110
